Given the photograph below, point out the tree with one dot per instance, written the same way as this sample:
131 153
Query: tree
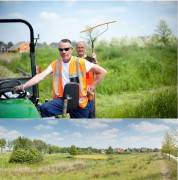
174 132
168 145
10 44
22 143
163 32
65 150
39 145
73 150
110 150
9 144
50 149
2 143
1 43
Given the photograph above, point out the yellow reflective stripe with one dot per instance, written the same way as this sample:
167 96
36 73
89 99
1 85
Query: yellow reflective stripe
57 75
79 75
73 75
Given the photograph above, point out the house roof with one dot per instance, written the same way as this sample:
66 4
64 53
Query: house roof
16 46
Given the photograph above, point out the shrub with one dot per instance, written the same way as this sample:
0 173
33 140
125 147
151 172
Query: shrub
30 156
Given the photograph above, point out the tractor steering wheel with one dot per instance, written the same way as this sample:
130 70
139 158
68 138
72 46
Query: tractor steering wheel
7 86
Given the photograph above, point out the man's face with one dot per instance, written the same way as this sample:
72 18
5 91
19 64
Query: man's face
65 50
80 49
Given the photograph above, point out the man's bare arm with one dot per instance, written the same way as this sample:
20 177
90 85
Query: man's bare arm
35 80
100 73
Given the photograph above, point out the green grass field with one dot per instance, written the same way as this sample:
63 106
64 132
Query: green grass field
63 166
140 83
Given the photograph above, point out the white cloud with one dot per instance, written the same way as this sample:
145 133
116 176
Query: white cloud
41 126
90 125
111 133
95 125
54 121
9 134
77 135
54 136
101 139
141 141
170 121
13 134
149 127
49 15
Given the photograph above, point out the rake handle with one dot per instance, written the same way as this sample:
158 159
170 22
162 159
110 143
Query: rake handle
97 26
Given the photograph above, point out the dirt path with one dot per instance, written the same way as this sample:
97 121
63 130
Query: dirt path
165 172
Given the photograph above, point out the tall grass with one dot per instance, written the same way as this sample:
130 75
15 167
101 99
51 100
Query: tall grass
138 68
158 105
134 75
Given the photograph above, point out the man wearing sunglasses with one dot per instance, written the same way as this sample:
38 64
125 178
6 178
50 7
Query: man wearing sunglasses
66 69
81 52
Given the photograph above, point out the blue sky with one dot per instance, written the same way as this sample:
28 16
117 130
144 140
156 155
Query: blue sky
118 133
55 20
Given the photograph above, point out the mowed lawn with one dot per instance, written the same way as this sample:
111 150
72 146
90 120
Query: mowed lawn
100 166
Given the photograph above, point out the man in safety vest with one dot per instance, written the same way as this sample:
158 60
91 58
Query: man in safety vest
63 70
81 50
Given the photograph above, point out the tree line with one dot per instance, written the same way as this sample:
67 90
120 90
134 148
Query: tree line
43 147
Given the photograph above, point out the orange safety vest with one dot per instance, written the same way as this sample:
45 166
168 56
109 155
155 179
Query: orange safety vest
89 77
76 69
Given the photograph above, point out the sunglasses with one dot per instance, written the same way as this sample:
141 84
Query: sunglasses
63 49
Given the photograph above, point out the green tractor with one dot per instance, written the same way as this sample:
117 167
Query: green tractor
24 104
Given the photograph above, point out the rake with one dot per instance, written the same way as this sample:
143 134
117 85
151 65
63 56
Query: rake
92 39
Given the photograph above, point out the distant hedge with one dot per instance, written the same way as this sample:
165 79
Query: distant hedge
30 156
